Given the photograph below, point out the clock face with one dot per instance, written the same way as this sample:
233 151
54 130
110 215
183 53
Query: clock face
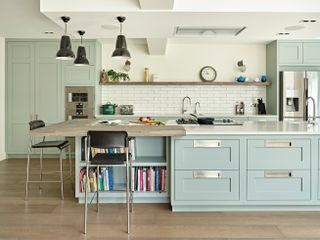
208 74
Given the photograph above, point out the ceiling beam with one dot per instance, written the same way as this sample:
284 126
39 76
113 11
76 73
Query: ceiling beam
157 46
156 4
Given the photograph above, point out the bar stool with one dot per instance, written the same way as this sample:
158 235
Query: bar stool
106 140
61 145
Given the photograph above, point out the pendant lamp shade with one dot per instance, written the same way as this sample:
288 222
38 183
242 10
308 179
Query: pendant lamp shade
65 52
121 50
81 59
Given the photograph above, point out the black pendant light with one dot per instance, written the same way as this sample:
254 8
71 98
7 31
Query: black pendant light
65 51
121 50
81 59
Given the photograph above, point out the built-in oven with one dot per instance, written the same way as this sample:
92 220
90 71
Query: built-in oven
79 104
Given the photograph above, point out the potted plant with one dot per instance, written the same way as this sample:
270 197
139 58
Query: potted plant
118 76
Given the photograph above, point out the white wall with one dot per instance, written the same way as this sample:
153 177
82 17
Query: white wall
183 62
2 99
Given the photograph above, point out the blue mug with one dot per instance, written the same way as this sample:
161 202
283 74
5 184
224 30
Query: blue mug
263 78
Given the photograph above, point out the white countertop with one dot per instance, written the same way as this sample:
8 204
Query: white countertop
175 116
252 127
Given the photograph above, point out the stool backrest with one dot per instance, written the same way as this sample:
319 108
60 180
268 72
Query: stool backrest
107 139
36 124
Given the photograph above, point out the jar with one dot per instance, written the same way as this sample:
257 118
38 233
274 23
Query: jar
146 75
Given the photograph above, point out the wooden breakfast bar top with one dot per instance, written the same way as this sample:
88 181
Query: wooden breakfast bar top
80 127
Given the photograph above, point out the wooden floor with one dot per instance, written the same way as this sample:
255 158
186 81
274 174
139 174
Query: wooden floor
46 217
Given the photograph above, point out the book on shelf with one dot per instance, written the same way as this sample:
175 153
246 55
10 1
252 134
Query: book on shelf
103 183
149 179
114 150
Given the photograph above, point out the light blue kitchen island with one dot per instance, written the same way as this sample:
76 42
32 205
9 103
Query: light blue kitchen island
256 166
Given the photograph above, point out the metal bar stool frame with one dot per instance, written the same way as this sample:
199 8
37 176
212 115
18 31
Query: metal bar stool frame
61 145
127 164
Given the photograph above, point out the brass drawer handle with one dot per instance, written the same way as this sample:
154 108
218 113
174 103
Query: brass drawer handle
278 143
206 174
206 143
277 174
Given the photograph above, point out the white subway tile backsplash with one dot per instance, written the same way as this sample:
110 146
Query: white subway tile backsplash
155 100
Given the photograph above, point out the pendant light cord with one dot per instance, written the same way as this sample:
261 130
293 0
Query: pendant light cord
120 28
65 28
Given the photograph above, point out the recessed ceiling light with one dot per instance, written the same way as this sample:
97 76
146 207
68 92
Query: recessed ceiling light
49 32
283 33
308 21
109 27
294 28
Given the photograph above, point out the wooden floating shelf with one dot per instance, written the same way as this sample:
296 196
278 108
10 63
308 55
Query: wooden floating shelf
191 83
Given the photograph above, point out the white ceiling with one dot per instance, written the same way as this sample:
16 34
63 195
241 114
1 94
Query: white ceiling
153 19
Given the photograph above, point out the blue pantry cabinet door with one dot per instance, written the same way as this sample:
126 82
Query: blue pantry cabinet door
20 95
284 185
207 154
206 185
279 154
290 53
311 53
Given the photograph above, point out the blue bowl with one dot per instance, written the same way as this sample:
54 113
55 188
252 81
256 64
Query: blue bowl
241 79
263 78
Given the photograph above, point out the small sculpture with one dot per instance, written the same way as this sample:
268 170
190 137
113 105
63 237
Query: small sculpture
103 77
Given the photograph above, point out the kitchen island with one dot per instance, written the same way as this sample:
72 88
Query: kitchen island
256 166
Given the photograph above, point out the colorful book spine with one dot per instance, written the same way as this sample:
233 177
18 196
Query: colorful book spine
110 179
157 180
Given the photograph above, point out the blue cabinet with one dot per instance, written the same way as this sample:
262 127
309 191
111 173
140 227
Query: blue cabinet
311 53
207 154
206 185
279 185
299 53
290 53
279 154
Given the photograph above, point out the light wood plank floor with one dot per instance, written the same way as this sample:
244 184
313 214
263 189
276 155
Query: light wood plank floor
46 217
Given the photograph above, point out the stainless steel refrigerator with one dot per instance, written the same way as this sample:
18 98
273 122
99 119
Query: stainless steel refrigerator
295 88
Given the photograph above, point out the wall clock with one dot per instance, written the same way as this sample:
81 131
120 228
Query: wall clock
208 74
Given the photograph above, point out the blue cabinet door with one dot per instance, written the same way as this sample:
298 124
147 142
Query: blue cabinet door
207 154
290 53
311 53
284 185
279 154
206 185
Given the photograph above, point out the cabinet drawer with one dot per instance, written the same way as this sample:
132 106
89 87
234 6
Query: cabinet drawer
279 185
279 154
207 154
206 185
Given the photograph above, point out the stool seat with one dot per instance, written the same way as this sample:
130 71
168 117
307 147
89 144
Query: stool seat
109 159
51 144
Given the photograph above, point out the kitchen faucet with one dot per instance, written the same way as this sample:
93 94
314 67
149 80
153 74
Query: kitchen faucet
196 111
314 109
184 109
